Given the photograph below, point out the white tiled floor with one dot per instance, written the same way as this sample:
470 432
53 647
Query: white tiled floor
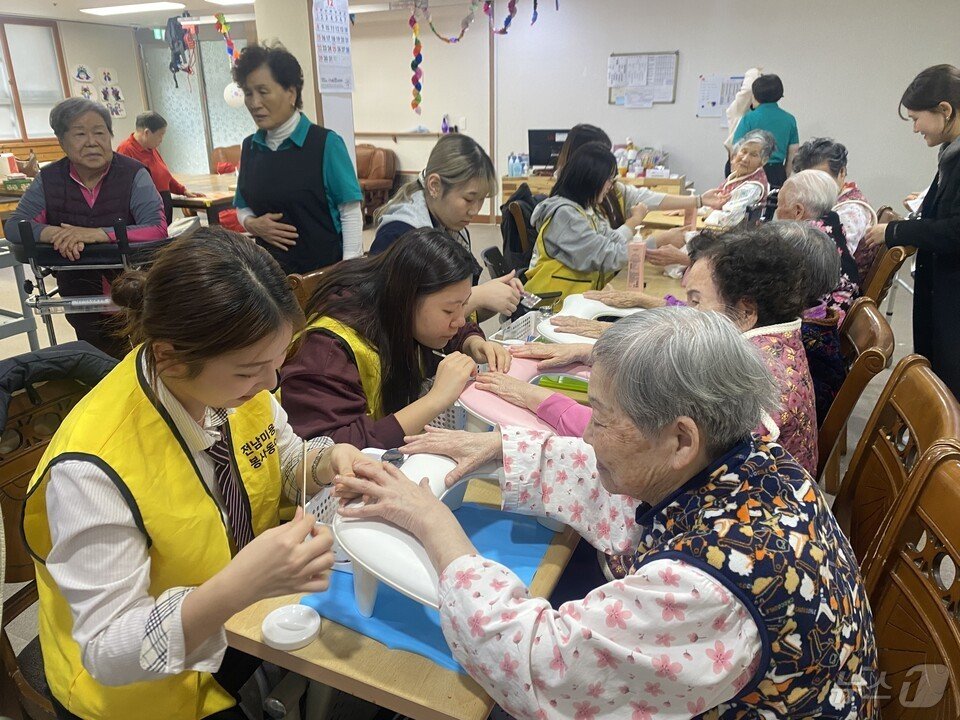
483 236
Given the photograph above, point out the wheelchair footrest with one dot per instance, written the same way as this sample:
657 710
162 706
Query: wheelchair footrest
71 305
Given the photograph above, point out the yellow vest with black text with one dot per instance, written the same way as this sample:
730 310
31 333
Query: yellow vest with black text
122 428
365 356
551 275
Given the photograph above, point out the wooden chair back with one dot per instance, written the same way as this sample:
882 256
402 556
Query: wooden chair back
866 342
914 411
304 285
885 267
521 224
33 418
913 583
225 154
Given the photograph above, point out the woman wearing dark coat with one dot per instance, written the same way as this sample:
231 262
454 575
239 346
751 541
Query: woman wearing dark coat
932 102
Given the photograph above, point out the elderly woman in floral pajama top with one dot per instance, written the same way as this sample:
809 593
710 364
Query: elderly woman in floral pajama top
743 598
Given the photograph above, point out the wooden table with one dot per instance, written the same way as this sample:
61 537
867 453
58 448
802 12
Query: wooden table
219 191
544 184
655 282
403 682
659 220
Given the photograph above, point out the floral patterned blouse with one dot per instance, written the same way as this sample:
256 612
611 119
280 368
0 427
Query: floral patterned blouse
782 347
667 642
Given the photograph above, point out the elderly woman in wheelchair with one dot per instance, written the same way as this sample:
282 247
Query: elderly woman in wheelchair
75 203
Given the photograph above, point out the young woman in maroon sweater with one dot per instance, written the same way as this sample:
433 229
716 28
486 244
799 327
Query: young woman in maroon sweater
378 328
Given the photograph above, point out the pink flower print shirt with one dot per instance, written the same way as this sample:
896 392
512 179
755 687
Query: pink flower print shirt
667 642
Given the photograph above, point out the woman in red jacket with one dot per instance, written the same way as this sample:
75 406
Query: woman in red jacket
143 145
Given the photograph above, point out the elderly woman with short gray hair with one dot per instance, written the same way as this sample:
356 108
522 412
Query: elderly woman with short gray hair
738 566
75 201
747 183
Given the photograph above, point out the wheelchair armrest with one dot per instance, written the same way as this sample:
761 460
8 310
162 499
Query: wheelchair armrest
98 254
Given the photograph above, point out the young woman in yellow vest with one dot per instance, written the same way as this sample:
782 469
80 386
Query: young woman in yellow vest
447 195
153 515
378 328
618 204
576 248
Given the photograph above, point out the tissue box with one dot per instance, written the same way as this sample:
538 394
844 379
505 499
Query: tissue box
658 172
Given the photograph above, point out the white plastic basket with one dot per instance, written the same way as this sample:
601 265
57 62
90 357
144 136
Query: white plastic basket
323 506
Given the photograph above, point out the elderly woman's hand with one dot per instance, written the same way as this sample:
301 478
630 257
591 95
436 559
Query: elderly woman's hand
714 199
876 235
674 236
579 326
553 355
469 450
668 255
619 298
410 505
516 392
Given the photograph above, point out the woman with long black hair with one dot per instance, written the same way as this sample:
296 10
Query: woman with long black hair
377 328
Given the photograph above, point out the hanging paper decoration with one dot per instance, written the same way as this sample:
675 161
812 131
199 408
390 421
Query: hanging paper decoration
233 95
512 13
464 24
416 79
223 27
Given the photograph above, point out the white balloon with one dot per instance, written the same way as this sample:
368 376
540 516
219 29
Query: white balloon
233 95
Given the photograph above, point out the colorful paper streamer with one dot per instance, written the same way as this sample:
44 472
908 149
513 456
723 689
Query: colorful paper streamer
464 24
223 27
511 14
417 78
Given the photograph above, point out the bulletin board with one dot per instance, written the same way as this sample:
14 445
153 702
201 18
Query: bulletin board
642 79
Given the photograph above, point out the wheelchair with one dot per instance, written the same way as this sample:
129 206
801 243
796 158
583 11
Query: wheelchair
46 264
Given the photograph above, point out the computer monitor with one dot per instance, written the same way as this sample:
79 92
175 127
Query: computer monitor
544 146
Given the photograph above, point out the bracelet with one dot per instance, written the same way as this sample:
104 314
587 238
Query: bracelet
316 462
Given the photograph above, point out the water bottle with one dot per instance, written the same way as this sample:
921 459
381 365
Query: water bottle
524 165
510 163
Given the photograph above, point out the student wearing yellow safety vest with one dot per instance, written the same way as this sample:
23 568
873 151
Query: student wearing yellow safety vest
378 328
618 204
153 515
576 250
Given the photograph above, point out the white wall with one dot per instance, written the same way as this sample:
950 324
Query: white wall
107 46
289 22
455 82
844 70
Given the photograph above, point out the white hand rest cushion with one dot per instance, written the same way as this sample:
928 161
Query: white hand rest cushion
380 551
579 307
494 410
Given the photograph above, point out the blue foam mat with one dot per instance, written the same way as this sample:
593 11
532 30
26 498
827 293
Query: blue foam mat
517 541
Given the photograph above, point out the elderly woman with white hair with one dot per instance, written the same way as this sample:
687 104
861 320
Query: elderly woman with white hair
810 195
738 566
747 185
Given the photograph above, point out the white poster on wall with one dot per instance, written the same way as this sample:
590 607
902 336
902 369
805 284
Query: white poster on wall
331 34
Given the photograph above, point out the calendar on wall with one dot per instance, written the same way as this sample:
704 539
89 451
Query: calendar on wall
642 79
331 37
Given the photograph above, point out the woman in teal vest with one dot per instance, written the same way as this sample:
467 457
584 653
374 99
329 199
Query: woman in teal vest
153 514
743 598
